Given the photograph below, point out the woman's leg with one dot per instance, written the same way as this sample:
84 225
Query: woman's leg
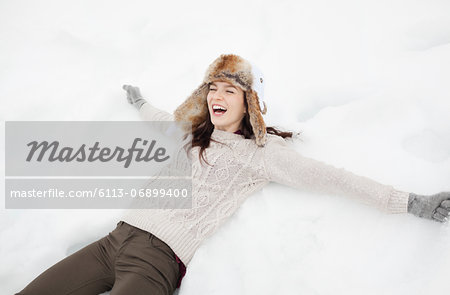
130 260
146 265
87 271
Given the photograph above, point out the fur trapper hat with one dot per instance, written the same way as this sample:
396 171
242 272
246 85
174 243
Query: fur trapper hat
240 73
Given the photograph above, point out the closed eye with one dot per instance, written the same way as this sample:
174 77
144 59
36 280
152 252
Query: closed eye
212 89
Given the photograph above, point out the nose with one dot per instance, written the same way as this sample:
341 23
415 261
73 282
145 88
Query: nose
217 94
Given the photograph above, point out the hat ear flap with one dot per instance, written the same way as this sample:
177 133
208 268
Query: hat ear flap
195 108
256 119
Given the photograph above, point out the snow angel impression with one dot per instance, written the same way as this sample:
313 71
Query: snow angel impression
233 155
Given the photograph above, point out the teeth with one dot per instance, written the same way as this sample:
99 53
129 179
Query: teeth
216 107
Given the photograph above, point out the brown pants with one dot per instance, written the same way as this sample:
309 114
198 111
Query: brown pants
128 260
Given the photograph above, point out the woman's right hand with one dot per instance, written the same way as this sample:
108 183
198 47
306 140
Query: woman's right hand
134 96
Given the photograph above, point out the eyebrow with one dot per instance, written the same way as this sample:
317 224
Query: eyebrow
229 85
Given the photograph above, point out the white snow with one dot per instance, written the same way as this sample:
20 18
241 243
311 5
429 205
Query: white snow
366 82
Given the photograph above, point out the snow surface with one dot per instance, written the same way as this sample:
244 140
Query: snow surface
366 82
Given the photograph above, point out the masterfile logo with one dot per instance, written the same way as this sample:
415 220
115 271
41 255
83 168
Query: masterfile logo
81 164
54 152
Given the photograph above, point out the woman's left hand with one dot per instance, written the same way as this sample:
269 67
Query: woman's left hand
435 207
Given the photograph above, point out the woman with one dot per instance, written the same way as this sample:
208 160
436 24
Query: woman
234 154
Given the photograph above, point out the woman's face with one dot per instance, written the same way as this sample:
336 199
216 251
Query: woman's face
230 98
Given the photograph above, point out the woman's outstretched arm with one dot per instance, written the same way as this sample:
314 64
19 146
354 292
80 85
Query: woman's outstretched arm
287 166
146 111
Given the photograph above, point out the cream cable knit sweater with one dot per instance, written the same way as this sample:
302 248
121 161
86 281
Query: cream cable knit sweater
218 191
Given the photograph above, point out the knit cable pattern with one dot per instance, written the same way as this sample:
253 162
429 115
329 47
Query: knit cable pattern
239 168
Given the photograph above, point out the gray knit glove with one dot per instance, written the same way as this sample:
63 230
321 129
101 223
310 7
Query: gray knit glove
134 96
435 207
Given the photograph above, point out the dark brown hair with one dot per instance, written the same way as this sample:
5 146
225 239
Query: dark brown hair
201 135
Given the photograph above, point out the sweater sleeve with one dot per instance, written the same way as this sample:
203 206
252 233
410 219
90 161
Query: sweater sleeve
286 166
147 112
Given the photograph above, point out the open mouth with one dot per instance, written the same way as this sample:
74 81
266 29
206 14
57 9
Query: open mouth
218 110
